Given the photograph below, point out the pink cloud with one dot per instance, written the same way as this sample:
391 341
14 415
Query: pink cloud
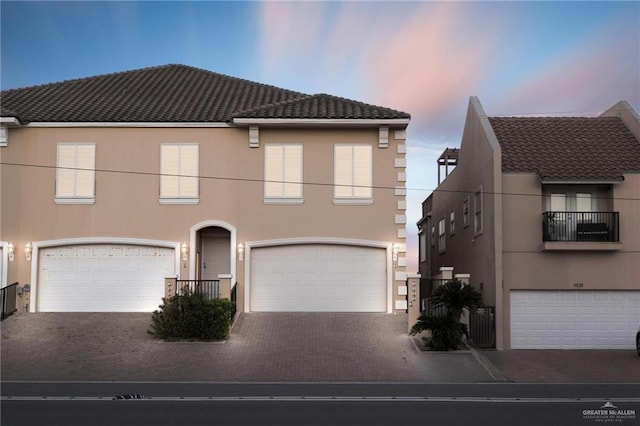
435 59
289 30
589 78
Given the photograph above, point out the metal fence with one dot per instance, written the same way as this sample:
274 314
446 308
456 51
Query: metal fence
210 288
482 327
8 299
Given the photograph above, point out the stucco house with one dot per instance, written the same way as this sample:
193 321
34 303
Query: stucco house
110 184
543 213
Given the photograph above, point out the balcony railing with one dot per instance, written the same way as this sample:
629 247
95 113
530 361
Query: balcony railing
580 226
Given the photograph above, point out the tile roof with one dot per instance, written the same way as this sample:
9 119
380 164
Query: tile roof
174 93
567 148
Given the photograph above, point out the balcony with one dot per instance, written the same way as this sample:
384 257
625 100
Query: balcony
580 231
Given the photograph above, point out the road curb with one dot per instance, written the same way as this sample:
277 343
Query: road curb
491 369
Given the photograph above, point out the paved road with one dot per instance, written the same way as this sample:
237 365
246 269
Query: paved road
319 404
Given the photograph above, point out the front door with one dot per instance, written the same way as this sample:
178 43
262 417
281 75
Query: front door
216 256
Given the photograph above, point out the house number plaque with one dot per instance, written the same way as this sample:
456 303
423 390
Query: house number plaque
578 285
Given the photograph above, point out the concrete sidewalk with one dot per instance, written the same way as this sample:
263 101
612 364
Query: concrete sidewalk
263 347
566 366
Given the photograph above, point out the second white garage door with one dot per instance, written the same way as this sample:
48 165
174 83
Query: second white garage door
574 319
103 278
318 278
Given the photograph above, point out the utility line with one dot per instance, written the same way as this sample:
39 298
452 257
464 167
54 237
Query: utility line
256 180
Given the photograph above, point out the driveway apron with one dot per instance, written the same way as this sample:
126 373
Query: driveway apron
262 347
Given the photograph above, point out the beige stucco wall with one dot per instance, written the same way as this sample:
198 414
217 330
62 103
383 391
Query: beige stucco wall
127 204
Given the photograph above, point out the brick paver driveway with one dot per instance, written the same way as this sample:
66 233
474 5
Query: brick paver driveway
263 347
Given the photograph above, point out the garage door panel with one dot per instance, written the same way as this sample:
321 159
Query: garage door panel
103 278
323 278
580 320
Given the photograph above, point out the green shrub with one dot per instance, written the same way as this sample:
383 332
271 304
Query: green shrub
192 316
446 332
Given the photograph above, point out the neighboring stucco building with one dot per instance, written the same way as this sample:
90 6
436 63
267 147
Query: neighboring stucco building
543 213
117 181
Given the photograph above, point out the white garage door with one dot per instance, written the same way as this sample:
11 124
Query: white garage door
103 278
574 319
318 278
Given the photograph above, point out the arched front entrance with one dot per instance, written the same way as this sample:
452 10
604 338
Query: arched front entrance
214 254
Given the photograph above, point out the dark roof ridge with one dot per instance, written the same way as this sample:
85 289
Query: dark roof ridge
150 68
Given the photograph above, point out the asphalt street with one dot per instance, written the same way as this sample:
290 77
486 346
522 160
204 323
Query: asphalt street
70 403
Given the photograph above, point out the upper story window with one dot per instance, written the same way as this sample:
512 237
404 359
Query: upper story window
452 222
441 235
423 246
465 212
283 173
433 236
179 171
75 173
477 212
353 174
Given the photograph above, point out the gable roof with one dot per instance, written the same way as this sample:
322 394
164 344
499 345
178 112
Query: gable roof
174 93
567 148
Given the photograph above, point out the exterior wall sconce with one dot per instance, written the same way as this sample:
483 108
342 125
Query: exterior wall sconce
395 250
27 251
184 249
10 249
240 252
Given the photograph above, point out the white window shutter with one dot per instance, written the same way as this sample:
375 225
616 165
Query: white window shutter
188 186
274 163
65 179
169 169
293 171
85 173
362 170
343 171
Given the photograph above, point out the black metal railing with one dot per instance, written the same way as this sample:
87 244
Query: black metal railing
580 226
210 288
428 285
8 300
234 299
482 327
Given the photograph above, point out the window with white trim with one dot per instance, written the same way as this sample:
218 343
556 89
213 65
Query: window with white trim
353 173
477 215
75 173
423 246
465 211
283 172
452 223
433 236
441 235
179 173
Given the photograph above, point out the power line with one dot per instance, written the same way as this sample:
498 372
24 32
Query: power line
256 180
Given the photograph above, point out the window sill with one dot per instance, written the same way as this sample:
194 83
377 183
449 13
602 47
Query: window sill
284 200
353 201
186 201
75 200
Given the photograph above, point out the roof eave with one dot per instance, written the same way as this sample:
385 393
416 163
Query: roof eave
567 181
333 122
10 122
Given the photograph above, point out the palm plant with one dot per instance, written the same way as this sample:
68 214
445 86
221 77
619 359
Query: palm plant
447 330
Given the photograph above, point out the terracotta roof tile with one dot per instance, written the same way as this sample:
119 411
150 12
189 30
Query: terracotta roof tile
567 148
173 93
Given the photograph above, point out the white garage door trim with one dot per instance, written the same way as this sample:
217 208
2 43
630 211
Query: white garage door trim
249 245
37 245
586 319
